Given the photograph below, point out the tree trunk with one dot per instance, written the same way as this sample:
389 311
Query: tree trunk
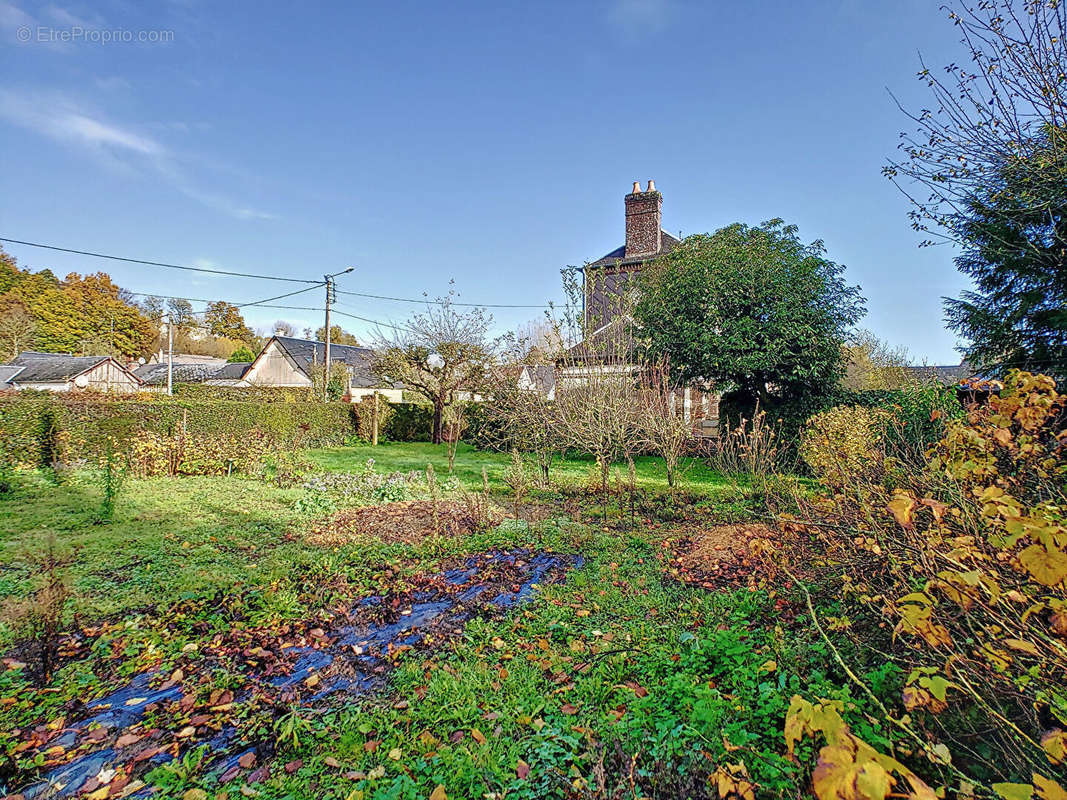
438 418
605 469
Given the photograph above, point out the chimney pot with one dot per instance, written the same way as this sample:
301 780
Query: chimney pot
643 232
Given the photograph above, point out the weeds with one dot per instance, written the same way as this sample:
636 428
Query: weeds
518 480
38 618
112 476
292 729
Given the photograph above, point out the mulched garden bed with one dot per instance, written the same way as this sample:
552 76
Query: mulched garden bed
407 523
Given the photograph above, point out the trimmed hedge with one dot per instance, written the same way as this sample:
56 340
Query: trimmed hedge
40 431
410 422
258 394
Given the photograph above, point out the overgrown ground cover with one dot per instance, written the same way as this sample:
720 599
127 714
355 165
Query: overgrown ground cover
622 680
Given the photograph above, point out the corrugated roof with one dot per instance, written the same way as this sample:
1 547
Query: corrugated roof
156 374
949 375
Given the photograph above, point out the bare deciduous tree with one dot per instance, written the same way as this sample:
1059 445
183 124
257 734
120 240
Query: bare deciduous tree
438 354
661 420
1003 108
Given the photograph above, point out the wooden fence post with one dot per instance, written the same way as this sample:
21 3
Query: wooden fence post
374 422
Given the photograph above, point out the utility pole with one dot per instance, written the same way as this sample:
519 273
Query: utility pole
170 354
331 297
326 360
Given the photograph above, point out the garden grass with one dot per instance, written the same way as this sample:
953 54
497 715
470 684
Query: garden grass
697 477
170 537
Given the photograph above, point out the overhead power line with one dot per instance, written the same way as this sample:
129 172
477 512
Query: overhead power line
235 305
234 274
158 263
449 302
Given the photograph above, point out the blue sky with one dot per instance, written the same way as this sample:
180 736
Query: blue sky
490 143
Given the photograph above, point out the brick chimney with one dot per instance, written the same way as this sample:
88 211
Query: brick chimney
643 218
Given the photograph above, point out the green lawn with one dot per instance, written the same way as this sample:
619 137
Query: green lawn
697 477
169 538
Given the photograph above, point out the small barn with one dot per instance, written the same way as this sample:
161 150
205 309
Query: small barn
287 361
63 372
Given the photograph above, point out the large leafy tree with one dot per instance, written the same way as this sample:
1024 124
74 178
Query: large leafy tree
225 321
985 167
81 314
338 335
749 308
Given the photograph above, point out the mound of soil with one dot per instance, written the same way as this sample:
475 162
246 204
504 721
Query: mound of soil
407 522
721 556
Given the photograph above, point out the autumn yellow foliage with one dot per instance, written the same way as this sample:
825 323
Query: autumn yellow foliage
965 563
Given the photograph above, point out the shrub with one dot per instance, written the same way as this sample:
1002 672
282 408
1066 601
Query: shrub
37 619
411 422
844 444
921 410
966 567
58 430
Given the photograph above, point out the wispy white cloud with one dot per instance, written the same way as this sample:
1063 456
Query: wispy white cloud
57 117
12 17
111 83
635 18
66 18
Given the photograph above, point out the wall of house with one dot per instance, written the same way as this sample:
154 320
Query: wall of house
110 377
54 386
275 368
392 395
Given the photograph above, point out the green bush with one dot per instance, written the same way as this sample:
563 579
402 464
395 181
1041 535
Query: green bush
364 411
70 429
411 422
921 412
254 394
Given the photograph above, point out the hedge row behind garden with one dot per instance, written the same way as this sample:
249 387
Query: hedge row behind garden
71 428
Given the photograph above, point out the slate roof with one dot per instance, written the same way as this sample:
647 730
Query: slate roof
949 375
618 255
608 344
156 374
233 371
7 372
53 367
359 360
